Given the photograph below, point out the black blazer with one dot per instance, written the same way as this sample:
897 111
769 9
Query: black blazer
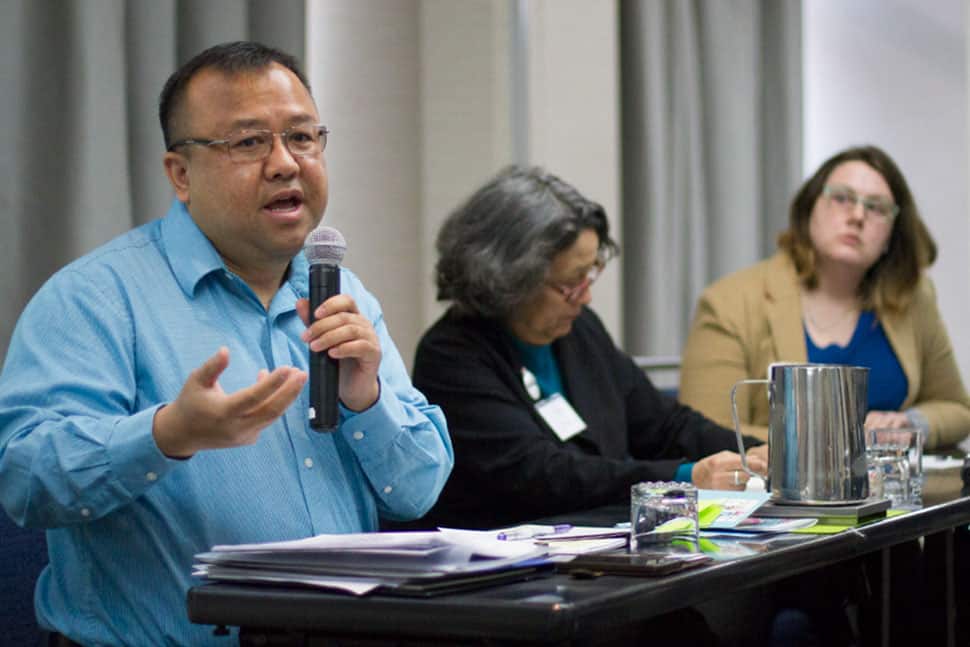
509 465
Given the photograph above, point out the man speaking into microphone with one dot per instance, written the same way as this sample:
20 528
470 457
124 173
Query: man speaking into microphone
154 397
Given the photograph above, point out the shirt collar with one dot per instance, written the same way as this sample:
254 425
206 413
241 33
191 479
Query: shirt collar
298 275
192 256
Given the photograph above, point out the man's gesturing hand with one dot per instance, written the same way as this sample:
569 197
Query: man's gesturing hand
203 416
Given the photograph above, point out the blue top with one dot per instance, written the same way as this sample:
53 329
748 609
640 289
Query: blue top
541 361
869 347
101 346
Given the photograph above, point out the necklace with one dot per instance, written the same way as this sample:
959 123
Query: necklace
832 324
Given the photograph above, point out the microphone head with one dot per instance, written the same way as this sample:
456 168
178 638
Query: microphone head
325 245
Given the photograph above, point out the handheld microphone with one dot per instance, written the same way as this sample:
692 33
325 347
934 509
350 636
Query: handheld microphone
324 248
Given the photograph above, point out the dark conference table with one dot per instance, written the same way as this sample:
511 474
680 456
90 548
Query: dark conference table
562 609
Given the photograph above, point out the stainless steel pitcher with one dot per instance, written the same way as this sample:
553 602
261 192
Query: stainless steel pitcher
816 440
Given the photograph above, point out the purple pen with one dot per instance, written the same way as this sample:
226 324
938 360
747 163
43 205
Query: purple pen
559 528
531 533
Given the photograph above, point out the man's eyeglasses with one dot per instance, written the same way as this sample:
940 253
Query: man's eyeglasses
253 145
573 293
845 199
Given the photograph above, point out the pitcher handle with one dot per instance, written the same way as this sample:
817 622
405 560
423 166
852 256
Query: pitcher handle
737 424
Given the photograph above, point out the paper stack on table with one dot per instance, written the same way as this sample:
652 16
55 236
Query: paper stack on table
731 507
417 563
721 510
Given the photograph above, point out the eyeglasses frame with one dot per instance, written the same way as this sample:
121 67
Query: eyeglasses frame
868 205
573 293
283 134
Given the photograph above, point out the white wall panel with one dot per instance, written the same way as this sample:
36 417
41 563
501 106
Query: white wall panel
466 135
362 60
894 73
574 114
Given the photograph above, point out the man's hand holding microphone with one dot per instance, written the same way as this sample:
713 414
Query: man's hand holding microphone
203 416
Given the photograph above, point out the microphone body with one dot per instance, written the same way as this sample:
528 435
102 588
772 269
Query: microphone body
324 249
324 370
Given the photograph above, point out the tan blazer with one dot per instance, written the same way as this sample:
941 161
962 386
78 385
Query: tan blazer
751 318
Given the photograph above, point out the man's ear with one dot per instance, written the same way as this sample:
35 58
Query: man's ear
177 170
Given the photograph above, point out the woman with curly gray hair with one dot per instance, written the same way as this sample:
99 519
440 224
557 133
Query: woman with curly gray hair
495 251
546 415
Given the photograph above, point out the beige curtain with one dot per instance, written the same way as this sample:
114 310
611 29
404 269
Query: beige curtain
711 135
80 154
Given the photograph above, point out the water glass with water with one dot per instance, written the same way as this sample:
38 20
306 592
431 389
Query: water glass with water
895 459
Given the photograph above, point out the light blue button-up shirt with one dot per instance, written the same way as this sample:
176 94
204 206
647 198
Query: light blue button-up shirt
107 341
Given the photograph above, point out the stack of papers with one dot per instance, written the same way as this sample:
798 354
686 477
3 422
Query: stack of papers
760 526
410 563
723 510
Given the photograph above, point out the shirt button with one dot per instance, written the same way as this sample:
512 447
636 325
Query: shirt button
387 489
358 435
85 512
151 476
308 462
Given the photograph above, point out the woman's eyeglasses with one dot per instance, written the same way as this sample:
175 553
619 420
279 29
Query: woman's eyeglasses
845 199
573 293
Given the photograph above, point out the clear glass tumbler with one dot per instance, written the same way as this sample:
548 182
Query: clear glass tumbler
895 465
662 513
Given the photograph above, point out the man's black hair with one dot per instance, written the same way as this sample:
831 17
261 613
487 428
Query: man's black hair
230 58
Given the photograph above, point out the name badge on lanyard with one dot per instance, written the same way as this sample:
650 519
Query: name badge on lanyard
555 410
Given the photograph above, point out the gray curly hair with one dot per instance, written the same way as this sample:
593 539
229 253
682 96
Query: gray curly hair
495 250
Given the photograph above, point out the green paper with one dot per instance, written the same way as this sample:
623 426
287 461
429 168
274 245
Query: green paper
708 513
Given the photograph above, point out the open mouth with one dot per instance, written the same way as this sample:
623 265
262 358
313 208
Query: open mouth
284 205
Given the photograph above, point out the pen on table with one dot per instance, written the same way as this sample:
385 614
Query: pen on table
529 533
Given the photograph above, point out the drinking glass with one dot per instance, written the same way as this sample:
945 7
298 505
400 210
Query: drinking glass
662 513
895 460
916 475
